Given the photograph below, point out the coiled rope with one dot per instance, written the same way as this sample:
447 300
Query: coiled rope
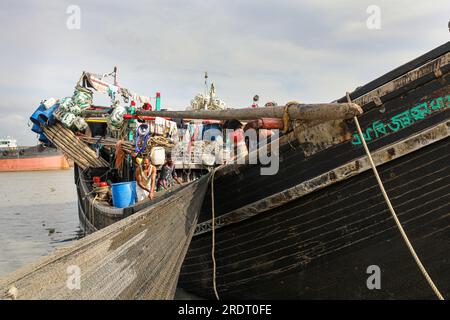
391 209
142 132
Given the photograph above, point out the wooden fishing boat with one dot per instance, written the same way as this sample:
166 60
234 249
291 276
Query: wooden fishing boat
318 226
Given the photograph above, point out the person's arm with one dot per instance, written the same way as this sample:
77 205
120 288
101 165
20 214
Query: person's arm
164 184
152 191
178 180
138 177
175 176
162 181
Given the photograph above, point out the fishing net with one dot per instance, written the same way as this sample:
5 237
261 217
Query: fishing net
139 257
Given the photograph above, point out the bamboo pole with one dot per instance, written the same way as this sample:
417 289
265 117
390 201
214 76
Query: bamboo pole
69 134
75 147
71 139
70 153
80 160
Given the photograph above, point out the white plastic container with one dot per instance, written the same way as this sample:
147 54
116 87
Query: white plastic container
208 159
50 103
158 156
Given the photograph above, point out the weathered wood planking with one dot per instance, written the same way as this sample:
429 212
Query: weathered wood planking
136 258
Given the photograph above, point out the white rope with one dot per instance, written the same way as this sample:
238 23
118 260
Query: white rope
394 215
213 224
213 235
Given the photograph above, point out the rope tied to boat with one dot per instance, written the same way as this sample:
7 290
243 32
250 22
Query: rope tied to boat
392 211
213 233
286 118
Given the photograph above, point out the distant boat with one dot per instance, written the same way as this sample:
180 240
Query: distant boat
30 158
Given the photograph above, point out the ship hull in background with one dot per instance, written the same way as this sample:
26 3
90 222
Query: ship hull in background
33 159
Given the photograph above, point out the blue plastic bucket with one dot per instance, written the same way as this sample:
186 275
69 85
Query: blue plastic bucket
46 117
36 128
35 116
43 138
123 194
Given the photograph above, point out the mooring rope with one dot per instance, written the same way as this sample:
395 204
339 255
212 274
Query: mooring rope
391 209
213 225
213 235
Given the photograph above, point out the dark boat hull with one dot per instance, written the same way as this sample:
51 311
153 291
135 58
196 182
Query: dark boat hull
316 228
321 243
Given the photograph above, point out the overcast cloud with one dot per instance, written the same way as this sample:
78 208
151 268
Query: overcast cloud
311 51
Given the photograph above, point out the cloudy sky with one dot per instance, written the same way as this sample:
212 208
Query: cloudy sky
311 51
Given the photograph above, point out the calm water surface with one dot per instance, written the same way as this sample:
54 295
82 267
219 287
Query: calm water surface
38 212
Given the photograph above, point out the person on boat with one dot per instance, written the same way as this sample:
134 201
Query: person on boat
236 137
255 101
145 178
147 106
167 172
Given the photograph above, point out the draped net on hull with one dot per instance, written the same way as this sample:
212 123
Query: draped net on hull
136 258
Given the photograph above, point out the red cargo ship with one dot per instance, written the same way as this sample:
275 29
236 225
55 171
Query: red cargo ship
15 158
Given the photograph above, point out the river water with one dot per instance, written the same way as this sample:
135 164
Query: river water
38 212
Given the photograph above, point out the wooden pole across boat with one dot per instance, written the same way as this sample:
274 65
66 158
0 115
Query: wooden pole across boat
326 111
322 111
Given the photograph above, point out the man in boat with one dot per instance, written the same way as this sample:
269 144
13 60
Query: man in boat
168 172
145 178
